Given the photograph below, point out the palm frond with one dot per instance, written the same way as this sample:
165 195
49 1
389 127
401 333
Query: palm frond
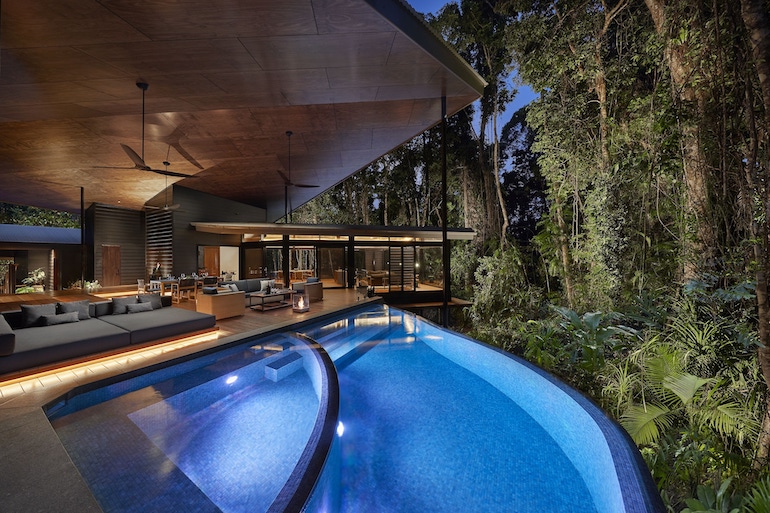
684 385
644 423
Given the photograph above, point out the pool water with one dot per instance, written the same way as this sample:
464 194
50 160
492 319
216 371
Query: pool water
453 442
197 441
428 421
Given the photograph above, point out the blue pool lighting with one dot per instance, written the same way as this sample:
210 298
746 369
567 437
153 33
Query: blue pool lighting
432 421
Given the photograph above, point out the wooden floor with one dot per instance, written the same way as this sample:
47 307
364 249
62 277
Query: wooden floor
334 299
10 302
38 388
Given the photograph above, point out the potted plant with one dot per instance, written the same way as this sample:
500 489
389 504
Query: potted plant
33 282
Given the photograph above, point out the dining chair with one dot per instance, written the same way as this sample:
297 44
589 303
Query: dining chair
183 288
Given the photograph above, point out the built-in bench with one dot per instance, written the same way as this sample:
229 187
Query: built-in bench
44 334
283 366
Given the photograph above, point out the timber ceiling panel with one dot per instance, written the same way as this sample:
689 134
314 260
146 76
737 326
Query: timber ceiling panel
351 78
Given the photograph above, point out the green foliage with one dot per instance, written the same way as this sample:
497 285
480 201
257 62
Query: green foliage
88 286
592 336
34 216
36 277
714 501
503 298
758 500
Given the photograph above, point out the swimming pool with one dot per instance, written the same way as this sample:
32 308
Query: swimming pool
427 421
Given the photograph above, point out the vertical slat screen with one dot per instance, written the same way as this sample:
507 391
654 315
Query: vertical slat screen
160 242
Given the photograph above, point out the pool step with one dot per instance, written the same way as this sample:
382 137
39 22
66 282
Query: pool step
284 366
353 342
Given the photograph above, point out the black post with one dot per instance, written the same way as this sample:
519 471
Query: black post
350 275
286 262
444 237
82 238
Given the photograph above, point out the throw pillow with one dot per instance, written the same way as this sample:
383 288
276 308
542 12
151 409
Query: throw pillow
233 287
81 307
153 299
32 314
4 326
62 318
119 304
139 307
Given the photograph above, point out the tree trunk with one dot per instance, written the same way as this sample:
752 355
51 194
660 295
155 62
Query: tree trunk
757 22
700 248
466 199
566 260
499 187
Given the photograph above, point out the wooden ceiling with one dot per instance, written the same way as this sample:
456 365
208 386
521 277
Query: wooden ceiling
352 79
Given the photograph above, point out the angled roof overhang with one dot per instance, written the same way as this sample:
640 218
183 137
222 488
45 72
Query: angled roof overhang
257 231
352 79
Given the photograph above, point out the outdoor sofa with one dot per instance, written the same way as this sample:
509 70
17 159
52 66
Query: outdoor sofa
255 287
43 334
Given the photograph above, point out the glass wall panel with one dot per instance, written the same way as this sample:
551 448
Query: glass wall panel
331 266
429 268
303 262
274 262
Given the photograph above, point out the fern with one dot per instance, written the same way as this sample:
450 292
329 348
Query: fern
758 500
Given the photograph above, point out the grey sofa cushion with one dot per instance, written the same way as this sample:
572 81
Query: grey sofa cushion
32 314
119 304
7 337
48 344
154 299
81 307
139 307
62 318
159 324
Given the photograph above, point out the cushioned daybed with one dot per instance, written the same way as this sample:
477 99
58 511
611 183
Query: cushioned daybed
43 334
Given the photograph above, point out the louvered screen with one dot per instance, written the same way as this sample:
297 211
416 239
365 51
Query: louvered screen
160 241
401 268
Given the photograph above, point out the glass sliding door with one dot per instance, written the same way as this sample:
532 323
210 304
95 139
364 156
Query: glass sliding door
332 266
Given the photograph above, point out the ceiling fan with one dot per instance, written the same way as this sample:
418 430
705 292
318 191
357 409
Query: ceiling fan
288 183
139 160
166 207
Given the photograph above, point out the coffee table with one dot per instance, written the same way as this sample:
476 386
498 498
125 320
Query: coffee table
265 302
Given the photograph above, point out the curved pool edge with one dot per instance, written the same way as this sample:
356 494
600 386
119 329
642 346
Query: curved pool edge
298 489
638 490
